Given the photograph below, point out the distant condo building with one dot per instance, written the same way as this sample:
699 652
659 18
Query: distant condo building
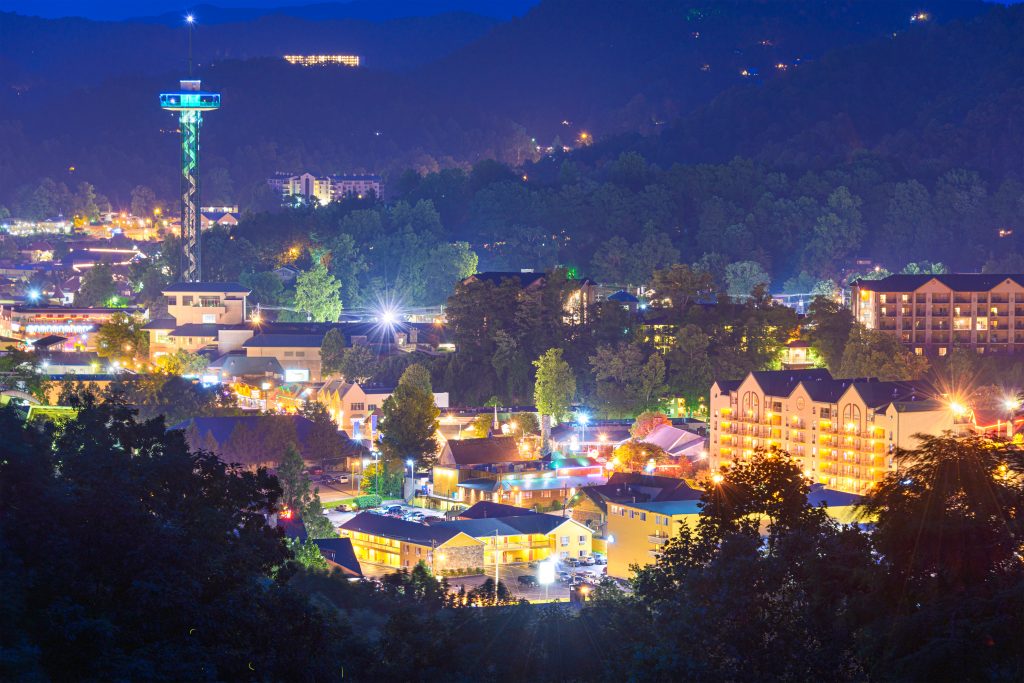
324 60
933 313
325 189
845 432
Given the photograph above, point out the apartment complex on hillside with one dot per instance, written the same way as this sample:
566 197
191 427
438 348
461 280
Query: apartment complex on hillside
933 313
845 432
325 189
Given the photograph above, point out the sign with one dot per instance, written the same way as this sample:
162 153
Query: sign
296 375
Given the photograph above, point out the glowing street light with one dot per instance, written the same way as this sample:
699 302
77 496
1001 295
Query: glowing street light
717 479
33 294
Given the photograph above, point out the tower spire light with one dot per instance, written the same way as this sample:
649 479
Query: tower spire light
190 102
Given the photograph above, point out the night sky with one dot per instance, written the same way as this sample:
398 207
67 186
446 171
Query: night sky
123 9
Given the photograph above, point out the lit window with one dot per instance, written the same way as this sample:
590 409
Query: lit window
565 540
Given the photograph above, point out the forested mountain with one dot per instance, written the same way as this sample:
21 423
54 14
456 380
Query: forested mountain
438 91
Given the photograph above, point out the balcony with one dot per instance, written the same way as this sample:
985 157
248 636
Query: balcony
657 539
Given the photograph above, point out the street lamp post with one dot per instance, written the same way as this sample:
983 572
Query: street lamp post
412 475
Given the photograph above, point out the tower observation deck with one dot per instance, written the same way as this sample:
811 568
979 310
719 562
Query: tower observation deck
190 102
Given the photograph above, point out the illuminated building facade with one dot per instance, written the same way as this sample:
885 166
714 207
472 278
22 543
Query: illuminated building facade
190 102
76 325
933 313
324 60
844 432
325 189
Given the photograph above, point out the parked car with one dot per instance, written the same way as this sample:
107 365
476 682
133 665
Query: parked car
345 507
394 508
527 580
588 560
317 471
343 479
571 561
600 559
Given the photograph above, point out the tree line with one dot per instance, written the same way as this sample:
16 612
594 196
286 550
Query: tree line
760 586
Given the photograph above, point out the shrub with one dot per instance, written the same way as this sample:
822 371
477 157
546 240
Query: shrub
369 501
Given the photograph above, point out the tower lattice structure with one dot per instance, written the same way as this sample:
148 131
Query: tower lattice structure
190 102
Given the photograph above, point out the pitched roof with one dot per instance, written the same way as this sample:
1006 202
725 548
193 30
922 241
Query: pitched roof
819 495
160 324
236 365
485 451
340 552
486 508
877 394
48 341
498 276
228 287
195 330
669 507
400 530
271 340
782 382
506 526
634 487
960 282
623 297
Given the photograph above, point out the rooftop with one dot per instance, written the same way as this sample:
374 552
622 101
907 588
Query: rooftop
960 282
203 287
271 340
669 507
399 529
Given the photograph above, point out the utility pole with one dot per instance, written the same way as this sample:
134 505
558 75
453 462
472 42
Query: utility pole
497 563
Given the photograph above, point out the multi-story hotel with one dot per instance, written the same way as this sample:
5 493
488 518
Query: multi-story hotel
325 189
933 313
324 60
845 432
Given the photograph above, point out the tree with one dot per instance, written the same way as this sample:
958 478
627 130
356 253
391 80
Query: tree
626 382
183 363
873 353
265 287
181 520
295 487
828 325
382 480
647 422
527 423
122 338
359 363
637 456
690 369
741 278
97 287
417 377
318 294
332 351
948 528
680 285
555 385
410 420
143 201
307 554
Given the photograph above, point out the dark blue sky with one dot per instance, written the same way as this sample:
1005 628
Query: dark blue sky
122 9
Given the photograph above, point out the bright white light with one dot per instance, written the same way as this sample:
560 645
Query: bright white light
33 294
190 19
546 573
388 317
410 462
583 418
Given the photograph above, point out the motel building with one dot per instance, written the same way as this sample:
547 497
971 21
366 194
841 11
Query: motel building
466 544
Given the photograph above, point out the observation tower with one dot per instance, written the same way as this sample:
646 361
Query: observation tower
190 101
